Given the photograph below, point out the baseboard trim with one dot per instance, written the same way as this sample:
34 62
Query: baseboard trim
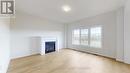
25 56
91 53
119 60
127 62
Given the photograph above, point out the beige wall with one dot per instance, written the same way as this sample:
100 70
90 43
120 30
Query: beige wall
127 32
108 22
120 35
26 27
4 44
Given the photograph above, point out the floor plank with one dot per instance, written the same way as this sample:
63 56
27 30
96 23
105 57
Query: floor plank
67 61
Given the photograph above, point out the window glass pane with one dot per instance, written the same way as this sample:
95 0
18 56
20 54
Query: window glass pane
76 37
84 37
96 37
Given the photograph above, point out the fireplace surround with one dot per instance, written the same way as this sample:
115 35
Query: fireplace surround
48 45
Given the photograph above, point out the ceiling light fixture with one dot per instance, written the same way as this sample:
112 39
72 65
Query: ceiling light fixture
66 8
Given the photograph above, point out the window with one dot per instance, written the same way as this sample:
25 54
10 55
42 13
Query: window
96 37
76 37
91 37
84 37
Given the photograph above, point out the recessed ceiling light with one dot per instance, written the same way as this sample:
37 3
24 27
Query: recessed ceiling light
66 8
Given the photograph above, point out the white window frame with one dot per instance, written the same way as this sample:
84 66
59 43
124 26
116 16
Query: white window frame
101 37
81 36
89 36
73 37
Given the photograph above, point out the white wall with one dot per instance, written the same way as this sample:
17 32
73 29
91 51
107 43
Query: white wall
120 35
127 32
4 44
108 22
26 27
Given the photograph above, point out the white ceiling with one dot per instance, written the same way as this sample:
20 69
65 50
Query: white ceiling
51 9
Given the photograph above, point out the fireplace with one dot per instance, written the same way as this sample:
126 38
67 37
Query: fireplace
50 46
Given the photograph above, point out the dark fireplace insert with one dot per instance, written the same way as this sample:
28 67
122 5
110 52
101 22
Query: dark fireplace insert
50 47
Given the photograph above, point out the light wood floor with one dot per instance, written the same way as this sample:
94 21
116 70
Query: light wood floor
67 61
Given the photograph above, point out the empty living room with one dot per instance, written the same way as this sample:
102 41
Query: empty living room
64 36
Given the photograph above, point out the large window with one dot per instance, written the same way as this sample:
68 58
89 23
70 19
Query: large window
76 37
96 37
84 37
91 37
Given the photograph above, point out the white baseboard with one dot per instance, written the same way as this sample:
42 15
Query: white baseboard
23 56
126 62
120 60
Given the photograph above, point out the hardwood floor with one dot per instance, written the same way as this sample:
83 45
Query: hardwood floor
67 61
